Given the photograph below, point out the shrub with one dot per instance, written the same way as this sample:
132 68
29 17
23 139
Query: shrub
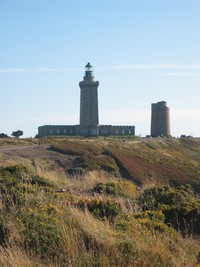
117 188
16 182
179 205
101 209
126 223
3 135
41 181
41 231
108 188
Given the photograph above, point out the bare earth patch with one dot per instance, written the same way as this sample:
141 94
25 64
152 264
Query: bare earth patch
35 152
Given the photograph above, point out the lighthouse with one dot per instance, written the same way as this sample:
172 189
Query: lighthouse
89 114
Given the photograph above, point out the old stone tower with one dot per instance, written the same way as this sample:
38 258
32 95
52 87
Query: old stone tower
89 115
160 119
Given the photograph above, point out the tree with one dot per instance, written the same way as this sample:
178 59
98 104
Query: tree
3 135
17 133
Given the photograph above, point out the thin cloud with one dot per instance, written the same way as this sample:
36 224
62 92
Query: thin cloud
155 66
116 67
181 74
37 70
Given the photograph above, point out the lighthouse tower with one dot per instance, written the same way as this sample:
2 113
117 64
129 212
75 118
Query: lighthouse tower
89 116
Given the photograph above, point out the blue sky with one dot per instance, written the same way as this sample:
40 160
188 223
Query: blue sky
142 51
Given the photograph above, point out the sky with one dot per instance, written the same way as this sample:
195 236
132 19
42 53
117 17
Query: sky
142 51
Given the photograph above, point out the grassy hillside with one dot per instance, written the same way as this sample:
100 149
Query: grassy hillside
100 202
160 161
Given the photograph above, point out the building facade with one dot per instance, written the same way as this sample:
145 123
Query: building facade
160 119
78 130
89 115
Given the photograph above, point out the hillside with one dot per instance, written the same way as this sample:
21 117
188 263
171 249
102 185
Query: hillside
100 202
159 161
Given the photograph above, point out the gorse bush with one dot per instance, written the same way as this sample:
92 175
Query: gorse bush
166 196
180 206
108 188
16 182
104 209
154 220
117 188
41 231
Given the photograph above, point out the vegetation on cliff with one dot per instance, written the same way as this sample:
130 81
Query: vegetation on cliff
100 202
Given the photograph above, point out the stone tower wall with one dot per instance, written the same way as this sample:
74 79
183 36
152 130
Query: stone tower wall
89 103
160 119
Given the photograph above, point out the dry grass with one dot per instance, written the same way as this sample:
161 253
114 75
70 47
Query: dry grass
88 180
85 238
101 231
15 257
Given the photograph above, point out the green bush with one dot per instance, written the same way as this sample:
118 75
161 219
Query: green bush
108 188
180 206
41 231
117 188
16 182
101 209
40 181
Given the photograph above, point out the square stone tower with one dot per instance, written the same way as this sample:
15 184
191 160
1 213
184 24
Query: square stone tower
89 115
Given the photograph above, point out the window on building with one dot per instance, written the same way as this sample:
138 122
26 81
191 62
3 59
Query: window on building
51 131
58 131
104 131
123 131
129 132
94 131
116 131
64 131
84 131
